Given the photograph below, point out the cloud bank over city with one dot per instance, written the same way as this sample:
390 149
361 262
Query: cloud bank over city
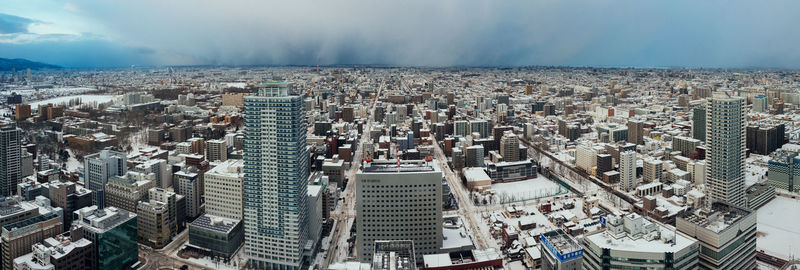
98 33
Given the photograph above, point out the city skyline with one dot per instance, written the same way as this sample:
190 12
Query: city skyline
426 34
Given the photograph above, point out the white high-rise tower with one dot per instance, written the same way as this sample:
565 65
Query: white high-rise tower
275 178
627 170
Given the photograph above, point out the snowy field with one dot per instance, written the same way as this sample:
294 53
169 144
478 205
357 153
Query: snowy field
72 163
86 99
530 189
777 227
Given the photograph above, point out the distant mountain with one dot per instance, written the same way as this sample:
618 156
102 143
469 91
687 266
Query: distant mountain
22 64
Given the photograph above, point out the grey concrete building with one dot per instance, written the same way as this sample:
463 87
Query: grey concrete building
399 201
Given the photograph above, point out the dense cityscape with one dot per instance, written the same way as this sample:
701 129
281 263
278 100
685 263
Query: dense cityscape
358 167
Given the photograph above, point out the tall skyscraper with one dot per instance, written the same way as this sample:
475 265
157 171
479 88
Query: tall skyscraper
725 137
275 177
627 170
10 159
99 167
699 122
509 147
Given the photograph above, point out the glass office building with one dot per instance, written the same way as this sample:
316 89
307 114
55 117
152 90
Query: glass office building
114 233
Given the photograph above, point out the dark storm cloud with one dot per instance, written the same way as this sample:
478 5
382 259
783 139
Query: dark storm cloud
10 24
445 33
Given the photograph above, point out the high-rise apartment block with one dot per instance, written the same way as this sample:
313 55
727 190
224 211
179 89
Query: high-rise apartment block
652 169
761 103
275 177
509 147
726 150
10 158
699 122
627 170
216 150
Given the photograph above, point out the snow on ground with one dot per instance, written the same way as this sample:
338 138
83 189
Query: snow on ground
72 163
754 174
138 141
777 227
516 265
208 262
527 189
86 99
564 156
236 84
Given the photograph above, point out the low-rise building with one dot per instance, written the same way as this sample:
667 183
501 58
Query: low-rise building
113 232
58 253
727 236
217 235
633 242
477 179
17 238
560 251
127 191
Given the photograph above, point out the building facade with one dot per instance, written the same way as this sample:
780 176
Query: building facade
699 122
627 170
153 223
399 200
188 185
632 242
127 191
223 186
652 169
509 147
113 232
99 167
727 236
560 251
726 150
10 159
275 177
216 150
17 238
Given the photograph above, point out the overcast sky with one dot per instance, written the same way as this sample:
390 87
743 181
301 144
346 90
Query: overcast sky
120 33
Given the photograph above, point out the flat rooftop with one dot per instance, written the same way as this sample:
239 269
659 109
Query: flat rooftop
626 243
402 166
720 218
